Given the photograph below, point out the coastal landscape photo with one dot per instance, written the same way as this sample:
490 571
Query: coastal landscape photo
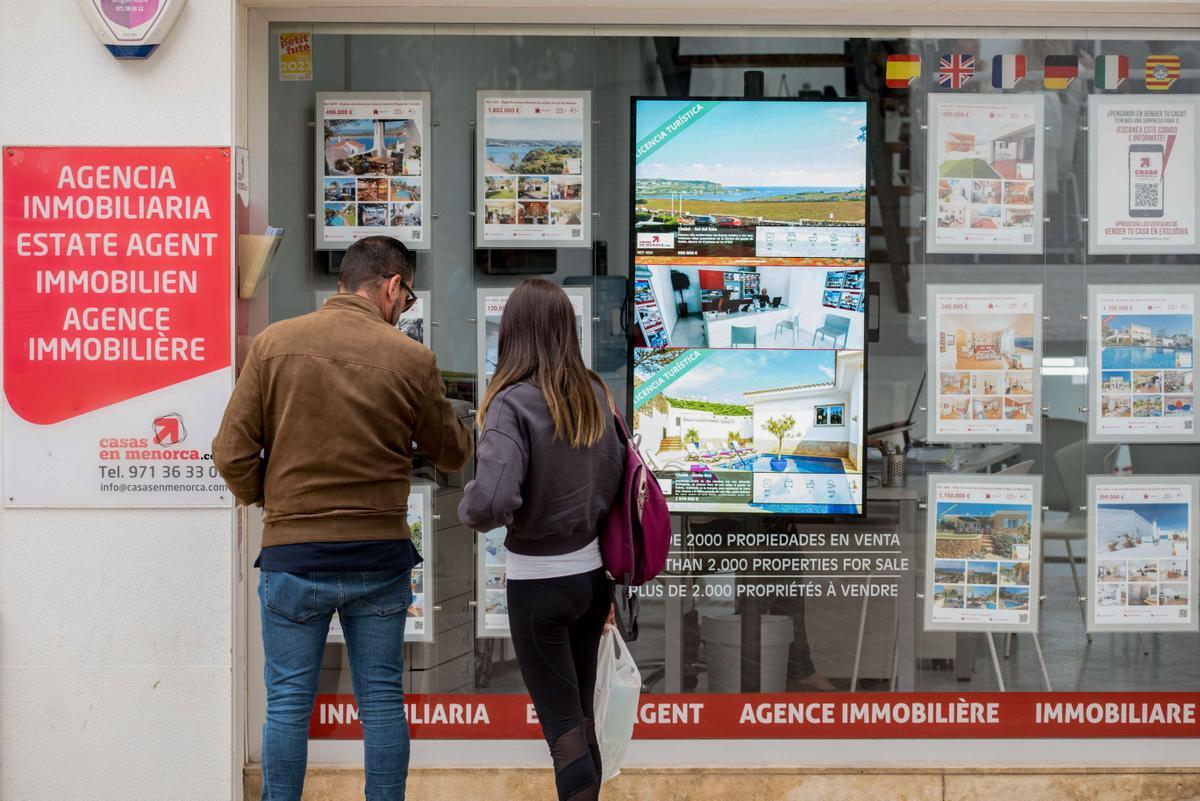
807 166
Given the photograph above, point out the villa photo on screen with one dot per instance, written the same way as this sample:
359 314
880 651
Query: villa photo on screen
752 431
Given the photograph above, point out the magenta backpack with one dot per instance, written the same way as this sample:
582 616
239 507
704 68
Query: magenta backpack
637 532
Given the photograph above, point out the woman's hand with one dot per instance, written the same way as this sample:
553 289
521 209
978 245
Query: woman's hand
611 620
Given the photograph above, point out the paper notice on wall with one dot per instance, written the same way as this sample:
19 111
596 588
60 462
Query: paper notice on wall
117 302
295 56
1143 170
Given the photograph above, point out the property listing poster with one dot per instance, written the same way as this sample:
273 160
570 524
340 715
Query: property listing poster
415 322
420 523
752 431
533 169
982 562
1142 153
491 585
1142 342
419 626
372 176
986 176
759 181
117 329
490 305
1142 553
985 352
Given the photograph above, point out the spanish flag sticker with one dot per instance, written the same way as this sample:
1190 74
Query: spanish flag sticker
902 70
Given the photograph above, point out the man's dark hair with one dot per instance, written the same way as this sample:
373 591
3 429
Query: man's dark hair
374 259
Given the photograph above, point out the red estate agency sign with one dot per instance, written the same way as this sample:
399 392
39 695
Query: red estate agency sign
117 300
795 716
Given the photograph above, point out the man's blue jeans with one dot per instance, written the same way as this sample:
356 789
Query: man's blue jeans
296 609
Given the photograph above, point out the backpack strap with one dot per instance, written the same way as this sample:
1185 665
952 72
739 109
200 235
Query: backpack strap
620 420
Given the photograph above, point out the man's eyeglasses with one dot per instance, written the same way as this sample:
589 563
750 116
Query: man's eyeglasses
410 297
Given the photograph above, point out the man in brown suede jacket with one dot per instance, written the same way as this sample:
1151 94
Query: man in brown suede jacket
320 431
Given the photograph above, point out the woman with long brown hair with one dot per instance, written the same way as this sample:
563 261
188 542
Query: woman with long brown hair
548 467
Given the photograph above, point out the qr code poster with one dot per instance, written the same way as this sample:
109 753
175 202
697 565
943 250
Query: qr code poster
1143 168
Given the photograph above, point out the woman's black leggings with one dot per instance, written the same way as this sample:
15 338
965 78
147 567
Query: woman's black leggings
556 626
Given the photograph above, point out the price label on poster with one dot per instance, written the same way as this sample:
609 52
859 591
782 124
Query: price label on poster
982 571
1144 389
1143 164
985 354
117 298
372 168
490 305
1142 555
986 177
533 170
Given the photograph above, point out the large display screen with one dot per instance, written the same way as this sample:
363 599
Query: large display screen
749 297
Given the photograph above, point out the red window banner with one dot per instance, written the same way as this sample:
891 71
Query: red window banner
117 308
804 716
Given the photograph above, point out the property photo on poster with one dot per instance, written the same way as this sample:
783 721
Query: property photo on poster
982 562
985 353
749 179
770 306
490 304
1143 167
533 169
985 173
371 152
415 322
1141 341
763 431
491 584
1142 556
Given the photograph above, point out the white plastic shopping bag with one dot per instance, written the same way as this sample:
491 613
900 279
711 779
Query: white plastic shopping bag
618 690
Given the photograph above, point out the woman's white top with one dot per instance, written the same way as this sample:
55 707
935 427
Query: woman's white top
585 560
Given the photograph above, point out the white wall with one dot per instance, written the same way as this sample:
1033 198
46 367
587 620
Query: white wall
855 409
800 408
115 625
